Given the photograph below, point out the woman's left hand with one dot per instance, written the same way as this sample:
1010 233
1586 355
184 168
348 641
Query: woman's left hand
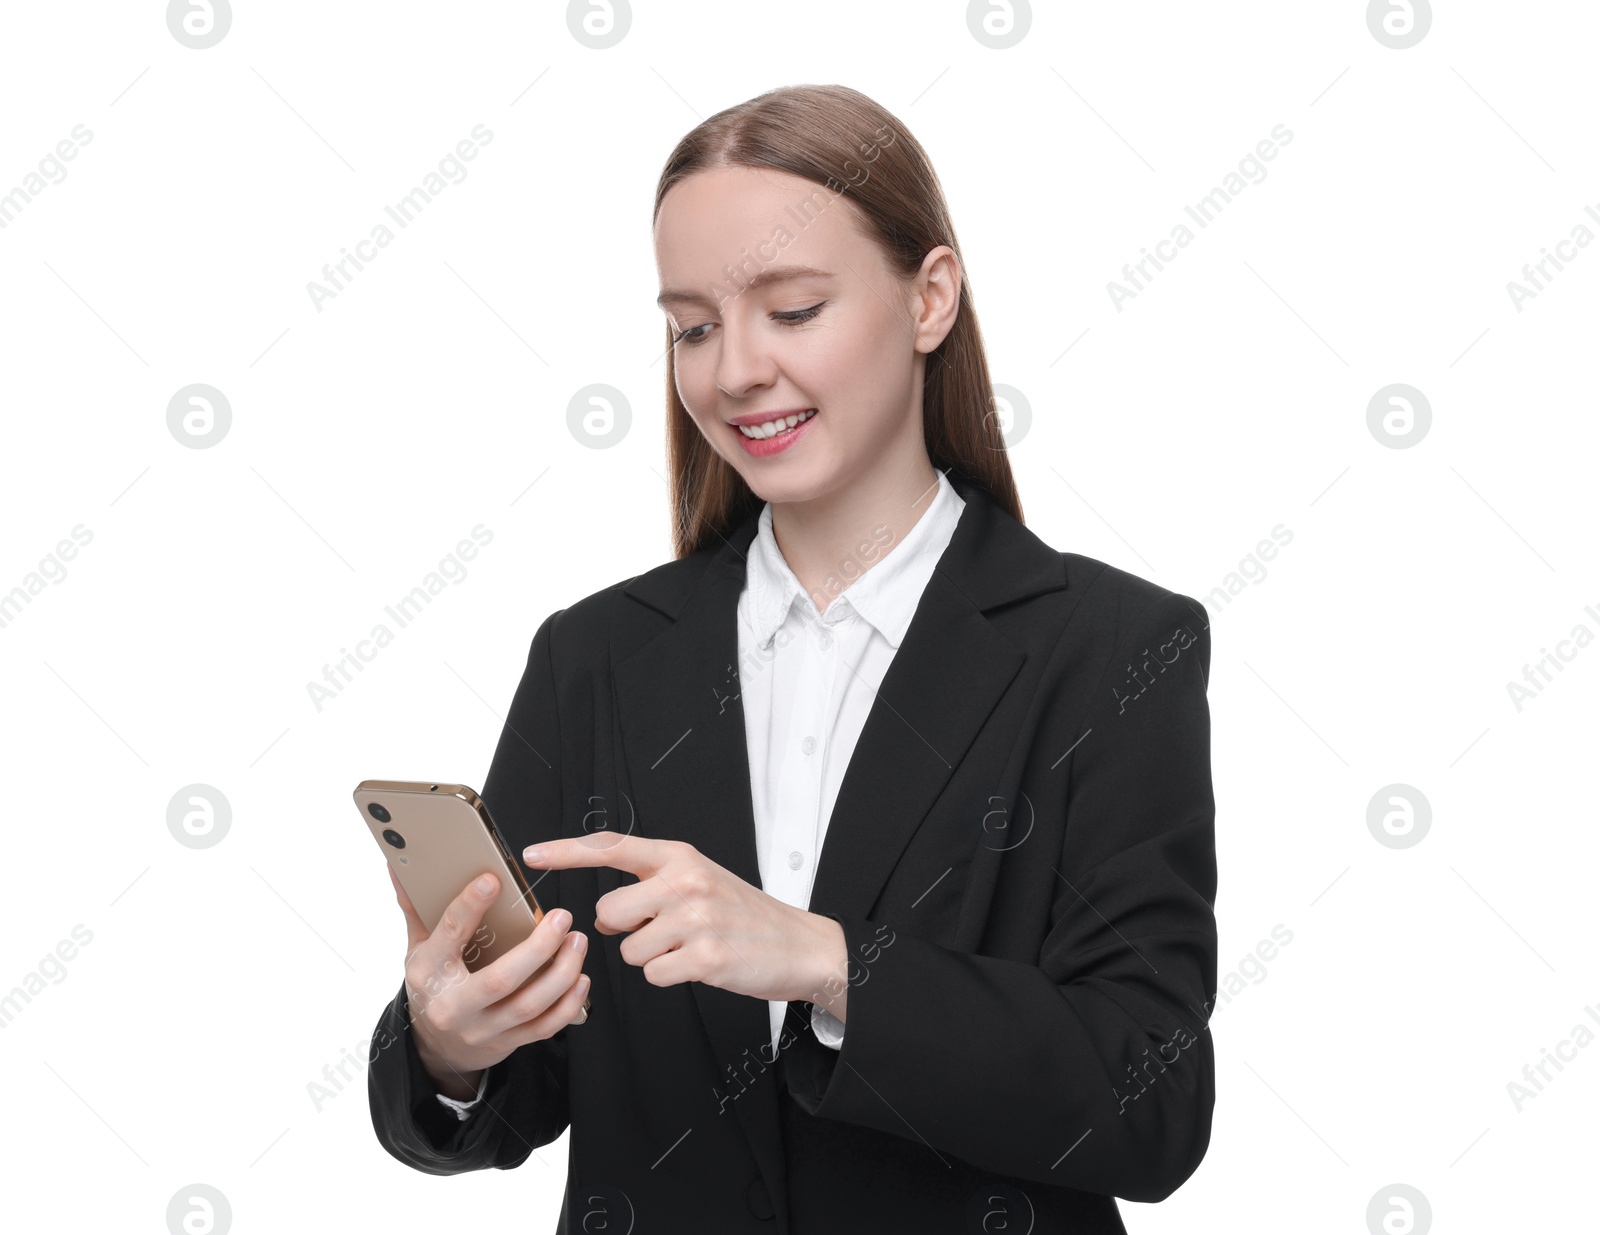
690 920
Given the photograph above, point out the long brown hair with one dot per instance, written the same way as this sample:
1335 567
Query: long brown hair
824 134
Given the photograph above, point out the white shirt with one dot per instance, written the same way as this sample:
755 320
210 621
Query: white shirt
807 681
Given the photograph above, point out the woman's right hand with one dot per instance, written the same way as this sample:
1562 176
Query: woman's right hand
467 1022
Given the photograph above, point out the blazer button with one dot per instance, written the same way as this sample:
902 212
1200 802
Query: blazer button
759 1201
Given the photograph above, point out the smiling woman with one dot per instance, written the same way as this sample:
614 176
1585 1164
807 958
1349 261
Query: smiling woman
857 259
831 993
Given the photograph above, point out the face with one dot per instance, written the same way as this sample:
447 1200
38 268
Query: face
783 311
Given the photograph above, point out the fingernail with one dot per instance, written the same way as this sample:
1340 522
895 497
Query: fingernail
579 941
563 919
484 886
532 855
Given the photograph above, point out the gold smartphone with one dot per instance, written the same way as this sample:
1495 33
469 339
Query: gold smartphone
437 839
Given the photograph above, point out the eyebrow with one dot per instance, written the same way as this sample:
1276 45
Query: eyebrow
773 274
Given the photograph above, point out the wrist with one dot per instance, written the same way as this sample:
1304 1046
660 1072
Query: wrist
828 980
462 1086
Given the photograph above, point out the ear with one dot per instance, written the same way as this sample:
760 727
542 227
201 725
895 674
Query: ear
935 297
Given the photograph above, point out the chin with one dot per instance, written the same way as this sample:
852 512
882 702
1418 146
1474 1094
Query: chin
798 488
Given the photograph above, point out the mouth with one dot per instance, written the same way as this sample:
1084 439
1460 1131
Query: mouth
777 424
775 434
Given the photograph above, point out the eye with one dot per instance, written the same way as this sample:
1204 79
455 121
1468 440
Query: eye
789 317
795 316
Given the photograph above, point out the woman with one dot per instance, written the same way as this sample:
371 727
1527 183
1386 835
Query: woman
892 825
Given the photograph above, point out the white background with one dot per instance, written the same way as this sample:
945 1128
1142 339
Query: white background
1168 437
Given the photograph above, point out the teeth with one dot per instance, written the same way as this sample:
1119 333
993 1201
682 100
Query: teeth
774 427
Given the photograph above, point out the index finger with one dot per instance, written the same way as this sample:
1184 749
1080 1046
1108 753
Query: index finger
638 855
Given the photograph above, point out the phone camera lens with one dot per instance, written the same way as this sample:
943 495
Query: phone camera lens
394 838
379 812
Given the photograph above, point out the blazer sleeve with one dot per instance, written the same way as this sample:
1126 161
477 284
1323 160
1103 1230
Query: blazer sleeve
524 1104
1092 1069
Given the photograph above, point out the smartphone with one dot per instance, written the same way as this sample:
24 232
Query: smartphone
437 839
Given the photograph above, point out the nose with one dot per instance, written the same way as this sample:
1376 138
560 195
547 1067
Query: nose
744 361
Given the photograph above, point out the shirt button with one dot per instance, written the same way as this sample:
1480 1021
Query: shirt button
809 745
795 859
825 641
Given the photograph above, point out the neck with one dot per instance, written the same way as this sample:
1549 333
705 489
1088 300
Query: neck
831 541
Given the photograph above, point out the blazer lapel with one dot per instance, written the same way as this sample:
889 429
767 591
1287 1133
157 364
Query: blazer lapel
683 739
682 721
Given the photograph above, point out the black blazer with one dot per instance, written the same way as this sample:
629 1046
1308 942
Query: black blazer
1022 860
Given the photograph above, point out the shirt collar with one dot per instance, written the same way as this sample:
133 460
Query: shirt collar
886 595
